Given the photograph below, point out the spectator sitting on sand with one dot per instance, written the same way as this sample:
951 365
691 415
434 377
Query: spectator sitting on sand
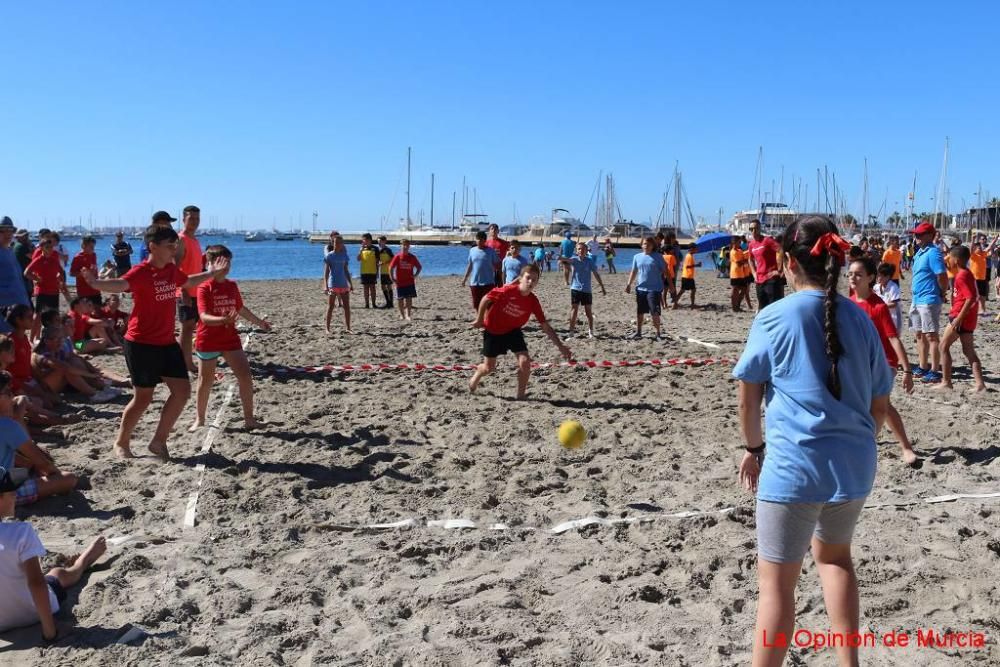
28 596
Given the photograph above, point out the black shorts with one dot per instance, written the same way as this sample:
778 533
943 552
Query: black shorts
406 291
186 313
687 284
739 282
147 364
495 345
46 302
647 302
983 287
385 279
369 278
580 298
770 291
57 588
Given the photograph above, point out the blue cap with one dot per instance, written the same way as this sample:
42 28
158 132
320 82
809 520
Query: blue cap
568 234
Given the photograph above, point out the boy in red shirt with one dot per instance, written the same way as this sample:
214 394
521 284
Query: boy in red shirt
220 304
861 277
115 316
964 317
86 259
502 313
404 269
90 334
151 351
46 271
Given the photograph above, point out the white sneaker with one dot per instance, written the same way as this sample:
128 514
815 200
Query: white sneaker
590 334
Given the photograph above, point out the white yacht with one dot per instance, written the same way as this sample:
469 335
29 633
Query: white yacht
774 217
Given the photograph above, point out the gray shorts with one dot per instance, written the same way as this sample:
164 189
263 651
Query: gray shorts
925 318
784 530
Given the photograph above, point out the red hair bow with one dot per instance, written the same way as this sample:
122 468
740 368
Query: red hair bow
831 243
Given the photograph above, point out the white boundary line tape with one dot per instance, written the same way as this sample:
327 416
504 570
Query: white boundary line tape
695 341
558 529
190 513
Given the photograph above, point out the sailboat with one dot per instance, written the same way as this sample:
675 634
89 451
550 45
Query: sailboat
256 236
283 236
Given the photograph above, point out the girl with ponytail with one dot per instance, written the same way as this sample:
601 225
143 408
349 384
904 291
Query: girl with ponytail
815 361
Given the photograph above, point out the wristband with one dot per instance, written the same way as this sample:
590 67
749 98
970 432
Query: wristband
756 450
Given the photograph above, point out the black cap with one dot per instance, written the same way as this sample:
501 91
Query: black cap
162 216
22 232
11 480
6 222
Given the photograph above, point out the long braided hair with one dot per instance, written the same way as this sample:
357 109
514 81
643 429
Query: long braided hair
818 249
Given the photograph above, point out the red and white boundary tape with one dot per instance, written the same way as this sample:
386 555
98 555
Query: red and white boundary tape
360 368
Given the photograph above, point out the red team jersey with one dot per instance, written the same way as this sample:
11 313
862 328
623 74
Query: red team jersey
80 326
154 293
84 260
405 264
965 290
20 370
49 269
511 310
765 257
879 314
218 298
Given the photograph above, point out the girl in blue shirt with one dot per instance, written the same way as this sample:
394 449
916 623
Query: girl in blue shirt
337 281
816 362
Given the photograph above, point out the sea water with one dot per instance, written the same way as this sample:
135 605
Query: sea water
299 259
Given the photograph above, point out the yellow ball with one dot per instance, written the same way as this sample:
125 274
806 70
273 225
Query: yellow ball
572 434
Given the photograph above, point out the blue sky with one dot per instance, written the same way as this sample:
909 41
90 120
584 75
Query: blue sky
266 112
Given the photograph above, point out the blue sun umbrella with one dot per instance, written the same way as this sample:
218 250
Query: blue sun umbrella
713 241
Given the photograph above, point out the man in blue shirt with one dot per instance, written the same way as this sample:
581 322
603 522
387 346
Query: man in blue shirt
566 247
481 270
650 269
930 285
584 267
12 292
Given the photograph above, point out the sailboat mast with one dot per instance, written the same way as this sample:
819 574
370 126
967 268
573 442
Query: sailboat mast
407 188
432 199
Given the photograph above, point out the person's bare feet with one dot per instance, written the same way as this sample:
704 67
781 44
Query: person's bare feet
92 553
124 452
942 387
253 423
195 425
159 450
909 457
979 388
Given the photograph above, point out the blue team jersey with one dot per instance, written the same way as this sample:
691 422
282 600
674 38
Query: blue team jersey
649 272
583 271
512 268
338 262
484 264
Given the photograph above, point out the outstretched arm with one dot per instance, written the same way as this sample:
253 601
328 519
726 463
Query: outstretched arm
221 264
248 315
554 337
107 285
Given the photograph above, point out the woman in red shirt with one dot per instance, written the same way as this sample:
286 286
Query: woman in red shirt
502 313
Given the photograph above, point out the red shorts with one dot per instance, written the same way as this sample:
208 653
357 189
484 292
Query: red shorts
478 292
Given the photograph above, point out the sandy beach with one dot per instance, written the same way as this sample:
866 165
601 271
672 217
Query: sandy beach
284 568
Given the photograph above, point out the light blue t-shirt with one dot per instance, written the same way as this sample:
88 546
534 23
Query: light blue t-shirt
512 268
337 261
12 291
819 449
583 270
649 272
484 263
928 263
12 436
567 247
539 255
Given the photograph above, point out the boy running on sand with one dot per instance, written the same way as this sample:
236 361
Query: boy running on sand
29 596
650 269
502 313
152 353
860 278
687 277
964 317
220 305
584 266
404 269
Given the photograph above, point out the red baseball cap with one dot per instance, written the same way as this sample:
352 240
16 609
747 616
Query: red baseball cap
923 228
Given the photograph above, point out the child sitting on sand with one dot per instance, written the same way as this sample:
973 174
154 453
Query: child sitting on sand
818 361
51 367
117 317
18 449
28 596
860 277
502 313
963 319
89 334
220 305
152 353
